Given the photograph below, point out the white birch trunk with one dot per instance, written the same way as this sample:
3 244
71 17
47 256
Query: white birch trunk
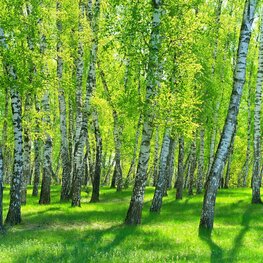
156 157
66 167
47 156
90 87
152 81
257 176
207 216
14 211
160 186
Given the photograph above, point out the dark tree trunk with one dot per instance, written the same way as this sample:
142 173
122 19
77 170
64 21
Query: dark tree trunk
192 167
46 177
37 146
180 174
1 189
96 179
113 180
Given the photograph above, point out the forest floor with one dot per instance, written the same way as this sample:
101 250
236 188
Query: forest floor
95 232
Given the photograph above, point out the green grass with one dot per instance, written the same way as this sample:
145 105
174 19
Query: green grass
95 233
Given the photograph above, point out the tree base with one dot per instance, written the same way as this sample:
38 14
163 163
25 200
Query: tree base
257 201
13 219
134 215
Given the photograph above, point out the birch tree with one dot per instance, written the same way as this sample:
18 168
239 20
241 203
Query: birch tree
207 216
160 186
66 167
90 87
257 165
133 216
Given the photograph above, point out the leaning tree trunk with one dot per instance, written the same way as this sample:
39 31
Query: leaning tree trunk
1 188
152 80
96 179
207 216
225 183
160 186
90 87
66 167
257 176
200 177
180 174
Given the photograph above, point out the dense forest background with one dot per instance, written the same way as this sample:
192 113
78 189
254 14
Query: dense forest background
130 94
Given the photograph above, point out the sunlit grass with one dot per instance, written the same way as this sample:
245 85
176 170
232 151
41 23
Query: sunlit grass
95 232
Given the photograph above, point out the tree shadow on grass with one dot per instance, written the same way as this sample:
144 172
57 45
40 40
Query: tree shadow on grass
238 242
216 251
99 244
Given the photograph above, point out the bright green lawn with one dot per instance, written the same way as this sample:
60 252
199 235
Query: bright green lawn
94 233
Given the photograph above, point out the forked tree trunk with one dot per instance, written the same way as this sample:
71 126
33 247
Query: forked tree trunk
207 216
117 132
90 87
134 213
66 165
